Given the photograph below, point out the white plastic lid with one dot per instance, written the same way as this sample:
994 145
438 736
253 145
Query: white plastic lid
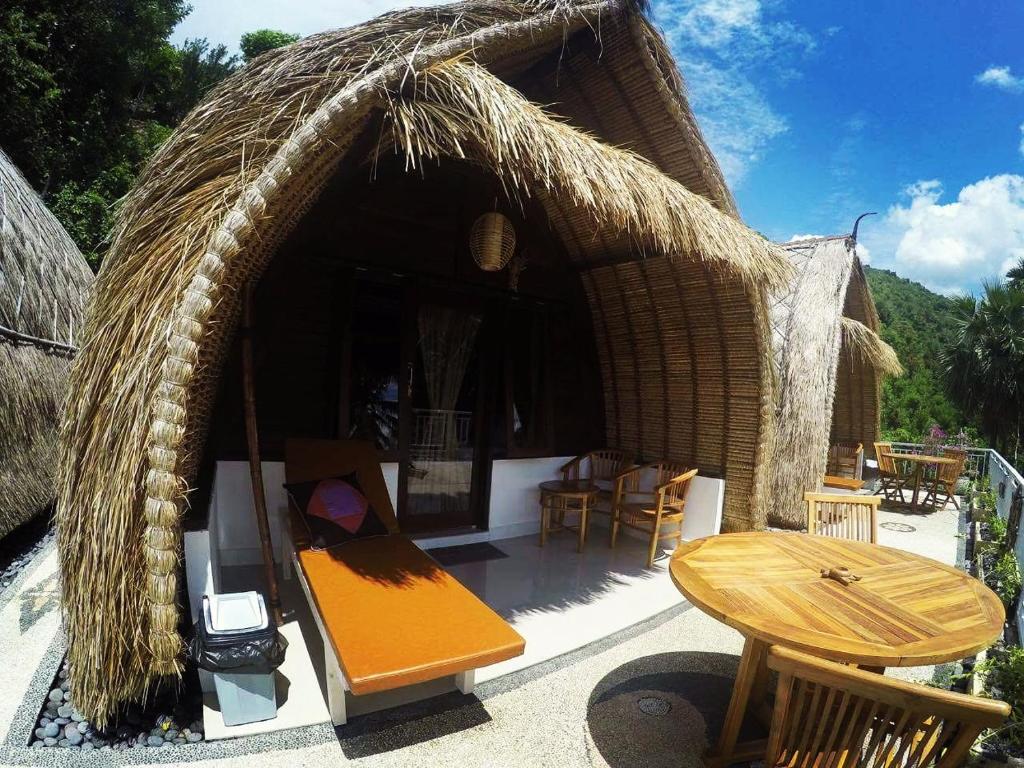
236 612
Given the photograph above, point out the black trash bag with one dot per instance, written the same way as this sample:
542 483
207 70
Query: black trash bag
261 652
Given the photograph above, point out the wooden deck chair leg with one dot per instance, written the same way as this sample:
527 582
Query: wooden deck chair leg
465 681
653 549
335 685
615 528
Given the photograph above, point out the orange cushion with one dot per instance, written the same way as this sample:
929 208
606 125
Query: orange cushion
395 617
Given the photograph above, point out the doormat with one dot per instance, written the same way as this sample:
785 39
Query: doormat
466 553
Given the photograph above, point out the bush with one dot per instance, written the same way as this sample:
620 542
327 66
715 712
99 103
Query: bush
1006 578
1004 680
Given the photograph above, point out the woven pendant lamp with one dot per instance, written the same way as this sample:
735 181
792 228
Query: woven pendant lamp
492 241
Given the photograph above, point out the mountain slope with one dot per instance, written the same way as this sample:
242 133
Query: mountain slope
918 324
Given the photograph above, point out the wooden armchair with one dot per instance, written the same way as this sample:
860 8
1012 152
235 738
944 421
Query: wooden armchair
846 460
601 467
892 480
648 511
830 714
843 516
943 489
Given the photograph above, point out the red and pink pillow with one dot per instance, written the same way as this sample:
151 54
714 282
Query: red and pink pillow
335 510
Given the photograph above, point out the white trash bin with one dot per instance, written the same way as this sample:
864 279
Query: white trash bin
245 695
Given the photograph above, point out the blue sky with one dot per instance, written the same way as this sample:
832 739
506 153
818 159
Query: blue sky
820 111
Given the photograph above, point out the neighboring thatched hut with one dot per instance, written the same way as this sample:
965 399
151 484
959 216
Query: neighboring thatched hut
830 362
43 281
295 170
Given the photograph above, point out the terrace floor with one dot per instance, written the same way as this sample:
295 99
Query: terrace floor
579 707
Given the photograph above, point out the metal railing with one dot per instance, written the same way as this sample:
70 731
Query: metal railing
1006 484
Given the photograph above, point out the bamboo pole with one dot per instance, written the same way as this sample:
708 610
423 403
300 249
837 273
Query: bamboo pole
255 467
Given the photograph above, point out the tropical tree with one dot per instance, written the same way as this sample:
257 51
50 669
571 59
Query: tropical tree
1015 277
263 40
984 365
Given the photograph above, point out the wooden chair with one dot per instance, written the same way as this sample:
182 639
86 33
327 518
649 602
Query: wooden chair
663 505
830 714
843 516
846 460
601 467
944 486
892 481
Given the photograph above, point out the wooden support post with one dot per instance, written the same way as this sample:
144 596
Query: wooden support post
255 468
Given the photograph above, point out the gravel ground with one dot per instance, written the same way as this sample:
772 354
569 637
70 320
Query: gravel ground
19 547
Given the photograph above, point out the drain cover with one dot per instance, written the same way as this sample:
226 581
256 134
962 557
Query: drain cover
898 527
652 705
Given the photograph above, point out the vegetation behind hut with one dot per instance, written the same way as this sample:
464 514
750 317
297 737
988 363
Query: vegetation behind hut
90 90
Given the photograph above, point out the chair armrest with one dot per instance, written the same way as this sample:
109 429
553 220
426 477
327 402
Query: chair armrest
683 478
571 469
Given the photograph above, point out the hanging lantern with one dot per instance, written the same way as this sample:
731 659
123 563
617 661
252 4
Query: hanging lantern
492 241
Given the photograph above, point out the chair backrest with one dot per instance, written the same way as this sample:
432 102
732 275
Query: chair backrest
845 460
843 516
602 464
831 714
606 463
673 481
309 459
885 464
950 473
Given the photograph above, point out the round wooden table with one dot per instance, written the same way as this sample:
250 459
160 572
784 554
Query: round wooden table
557 497
920 461
906 610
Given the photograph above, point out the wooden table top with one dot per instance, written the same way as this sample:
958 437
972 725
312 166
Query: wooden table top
569 487
907 610
920 458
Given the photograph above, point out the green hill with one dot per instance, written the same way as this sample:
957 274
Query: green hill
918 324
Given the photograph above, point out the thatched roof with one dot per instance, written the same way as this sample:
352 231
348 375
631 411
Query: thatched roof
43 280
232 182
824 330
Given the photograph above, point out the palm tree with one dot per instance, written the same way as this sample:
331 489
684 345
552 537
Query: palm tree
1015 277
985 364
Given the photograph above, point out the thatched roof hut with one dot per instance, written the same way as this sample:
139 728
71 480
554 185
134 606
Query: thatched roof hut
43 281
830 362
612 180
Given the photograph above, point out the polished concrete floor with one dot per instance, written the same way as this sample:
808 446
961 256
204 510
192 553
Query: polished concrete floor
559 599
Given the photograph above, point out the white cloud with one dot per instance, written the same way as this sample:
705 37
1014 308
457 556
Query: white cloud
1001 78
225 21
952 247
723 47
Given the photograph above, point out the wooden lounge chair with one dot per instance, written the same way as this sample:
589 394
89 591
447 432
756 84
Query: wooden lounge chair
846 460
831 714
845 467
892 480
843 516
390 616
648 511
943 489
601 467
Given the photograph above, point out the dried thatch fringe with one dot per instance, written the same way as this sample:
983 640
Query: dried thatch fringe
870 348
457 108
812 341
206 216
43 281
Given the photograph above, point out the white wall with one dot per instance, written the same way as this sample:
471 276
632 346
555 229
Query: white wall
514 505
